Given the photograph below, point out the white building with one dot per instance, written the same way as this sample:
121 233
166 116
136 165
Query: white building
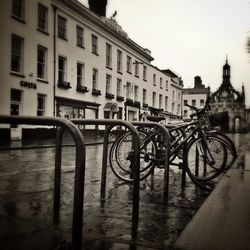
195 96
58 58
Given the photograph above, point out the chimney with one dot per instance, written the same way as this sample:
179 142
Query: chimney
197 82
98 7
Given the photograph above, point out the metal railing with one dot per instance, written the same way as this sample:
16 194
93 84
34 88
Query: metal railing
63 124
135 161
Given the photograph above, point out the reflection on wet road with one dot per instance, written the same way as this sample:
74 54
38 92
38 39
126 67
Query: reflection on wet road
26 199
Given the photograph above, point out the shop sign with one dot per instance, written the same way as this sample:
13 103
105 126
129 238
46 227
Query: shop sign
29 85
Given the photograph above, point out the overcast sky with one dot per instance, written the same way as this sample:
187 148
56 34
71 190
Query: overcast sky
191 37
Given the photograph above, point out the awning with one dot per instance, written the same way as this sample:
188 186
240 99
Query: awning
111 106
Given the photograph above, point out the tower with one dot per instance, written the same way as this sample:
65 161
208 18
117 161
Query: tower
226 73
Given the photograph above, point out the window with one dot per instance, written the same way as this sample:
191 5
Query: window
166 103
119 61
16 53
94 45
136 68
193 102
136 93
61 27
80 74
160 82
173 94
144 96
41 61
18 9
15 104
178 109
173 107
42 21
129 90
202 102
154 79
129 61
166 84
179 96
144 72
119 87
41 104
154 99
108 84
185 102
95 79
185 113
61 69
79 37
160 101
108 55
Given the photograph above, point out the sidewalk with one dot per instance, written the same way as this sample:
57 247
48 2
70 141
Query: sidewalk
222 222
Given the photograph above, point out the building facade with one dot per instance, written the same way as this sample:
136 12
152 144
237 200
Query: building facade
195 96
226 98
63 59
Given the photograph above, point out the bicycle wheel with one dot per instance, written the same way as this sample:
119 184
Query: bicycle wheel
231 149
205 158
120 156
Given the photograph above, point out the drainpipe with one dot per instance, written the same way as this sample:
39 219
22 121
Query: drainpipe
54 62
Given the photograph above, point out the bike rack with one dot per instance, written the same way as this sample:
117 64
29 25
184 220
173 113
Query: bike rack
166 135
80 159
135 162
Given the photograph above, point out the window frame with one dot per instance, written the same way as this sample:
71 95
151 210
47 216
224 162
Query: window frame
144 73
119 61
119 87
18 8
42 19
18 55
94 44
79 36
95 81
80 76
108 55
129 64
62 27
108 84
43 63
62 71
43 109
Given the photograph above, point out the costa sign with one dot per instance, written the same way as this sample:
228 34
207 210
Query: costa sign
29 85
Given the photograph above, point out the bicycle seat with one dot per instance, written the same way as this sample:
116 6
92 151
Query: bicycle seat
155 118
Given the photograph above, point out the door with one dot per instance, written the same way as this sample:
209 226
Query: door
15 130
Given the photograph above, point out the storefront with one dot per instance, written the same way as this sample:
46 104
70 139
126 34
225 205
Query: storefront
71 109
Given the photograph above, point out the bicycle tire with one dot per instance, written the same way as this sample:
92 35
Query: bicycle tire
194 153
119 157
232 155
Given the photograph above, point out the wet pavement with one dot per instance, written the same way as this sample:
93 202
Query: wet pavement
26 201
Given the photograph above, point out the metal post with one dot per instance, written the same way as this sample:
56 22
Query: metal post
57 174
104 161
196 161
